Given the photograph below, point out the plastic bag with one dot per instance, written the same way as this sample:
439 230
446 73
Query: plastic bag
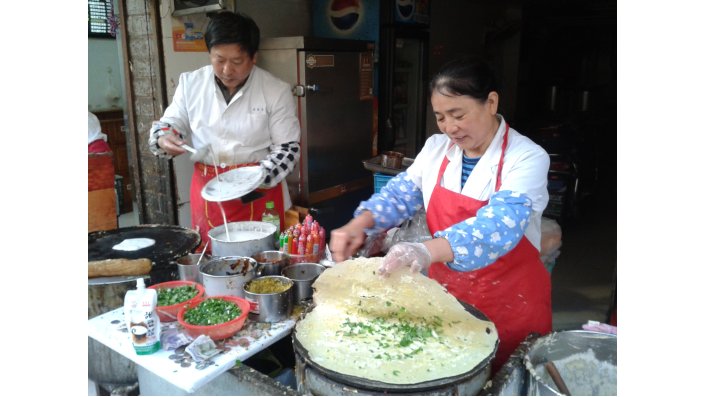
550 240
373 245
413 230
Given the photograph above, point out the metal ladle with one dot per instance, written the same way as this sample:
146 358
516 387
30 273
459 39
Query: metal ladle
202 253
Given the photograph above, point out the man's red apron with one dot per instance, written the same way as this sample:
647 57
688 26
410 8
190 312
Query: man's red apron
98 146
514 292
206 215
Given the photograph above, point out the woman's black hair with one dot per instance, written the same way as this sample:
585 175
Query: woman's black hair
228 27
466 75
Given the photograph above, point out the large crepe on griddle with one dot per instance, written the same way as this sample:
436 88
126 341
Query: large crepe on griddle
404 329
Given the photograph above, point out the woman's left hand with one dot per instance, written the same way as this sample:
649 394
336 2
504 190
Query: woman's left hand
415 255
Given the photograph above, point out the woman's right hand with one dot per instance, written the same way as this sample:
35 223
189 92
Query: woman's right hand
346 240
171 144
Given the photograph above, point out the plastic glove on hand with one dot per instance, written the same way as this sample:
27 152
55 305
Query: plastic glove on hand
414 255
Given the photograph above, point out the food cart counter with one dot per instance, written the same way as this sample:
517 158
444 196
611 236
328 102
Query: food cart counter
165 373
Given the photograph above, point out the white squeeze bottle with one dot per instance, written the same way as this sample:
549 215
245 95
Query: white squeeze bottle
142 320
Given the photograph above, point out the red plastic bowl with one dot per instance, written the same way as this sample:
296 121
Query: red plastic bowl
218 331
169 313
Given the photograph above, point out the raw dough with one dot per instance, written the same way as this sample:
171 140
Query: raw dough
404 329
134 244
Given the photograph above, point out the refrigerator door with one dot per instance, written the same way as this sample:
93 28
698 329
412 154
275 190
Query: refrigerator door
409 95
337 113
332 80
403 93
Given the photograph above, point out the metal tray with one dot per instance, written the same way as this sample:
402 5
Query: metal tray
233 184
375 165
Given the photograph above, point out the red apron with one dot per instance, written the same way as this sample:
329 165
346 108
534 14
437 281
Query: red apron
206 215
514 292
98 146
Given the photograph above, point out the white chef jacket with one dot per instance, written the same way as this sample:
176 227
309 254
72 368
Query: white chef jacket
262 113
94 129
525 171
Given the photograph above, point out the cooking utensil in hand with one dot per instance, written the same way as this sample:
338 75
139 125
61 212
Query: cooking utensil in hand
235 184
557 378
196 155
205 247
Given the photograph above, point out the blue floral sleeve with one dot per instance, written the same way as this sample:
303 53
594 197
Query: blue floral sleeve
478 241
396 202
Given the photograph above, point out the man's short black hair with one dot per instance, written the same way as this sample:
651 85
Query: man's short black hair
228 27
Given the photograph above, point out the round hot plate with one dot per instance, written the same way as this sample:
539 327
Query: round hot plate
170 242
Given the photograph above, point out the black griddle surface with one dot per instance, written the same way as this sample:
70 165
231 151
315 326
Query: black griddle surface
170 242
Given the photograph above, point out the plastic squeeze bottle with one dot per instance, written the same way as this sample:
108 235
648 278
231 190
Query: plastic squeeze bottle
270 215
142 320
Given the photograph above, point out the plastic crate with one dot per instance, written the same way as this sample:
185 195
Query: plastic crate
381 181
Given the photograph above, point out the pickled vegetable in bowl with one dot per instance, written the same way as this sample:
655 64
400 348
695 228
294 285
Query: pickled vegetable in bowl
267 285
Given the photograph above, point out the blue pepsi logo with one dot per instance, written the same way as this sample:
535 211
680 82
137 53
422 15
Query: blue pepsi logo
405 9
344 14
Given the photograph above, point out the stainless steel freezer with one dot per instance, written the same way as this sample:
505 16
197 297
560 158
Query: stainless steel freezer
332 80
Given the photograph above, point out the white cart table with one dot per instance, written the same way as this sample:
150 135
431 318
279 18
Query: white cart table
109 329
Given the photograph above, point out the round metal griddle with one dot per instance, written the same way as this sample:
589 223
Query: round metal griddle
384 387
170 243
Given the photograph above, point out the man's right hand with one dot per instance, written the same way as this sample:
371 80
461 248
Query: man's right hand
171 144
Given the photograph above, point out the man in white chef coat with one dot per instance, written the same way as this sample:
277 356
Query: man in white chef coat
244 114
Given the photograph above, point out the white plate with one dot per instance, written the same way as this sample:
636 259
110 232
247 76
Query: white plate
233 184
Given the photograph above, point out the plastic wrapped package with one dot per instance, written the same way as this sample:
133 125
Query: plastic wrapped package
414 230
550 242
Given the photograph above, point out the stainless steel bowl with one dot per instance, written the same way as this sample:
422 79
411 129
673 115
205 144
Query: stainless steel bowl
586 360
270 307
303 275
246 238
227 275
189 267
271 262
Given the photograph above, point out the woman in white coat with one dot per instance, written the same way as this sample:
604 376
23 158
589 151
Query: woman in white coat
484 187
237 115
